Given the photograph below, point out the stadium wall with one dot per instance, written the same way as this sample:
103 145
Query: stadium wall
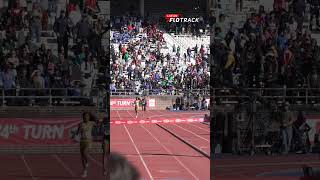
154 102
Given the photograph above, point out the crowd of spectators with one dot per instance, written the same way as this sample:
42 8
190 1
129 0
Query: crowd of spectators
29 60
271 49
143 60
275 49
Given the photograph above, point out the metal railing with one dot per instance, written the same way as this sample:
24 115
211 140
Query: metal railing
50 96
157 92
303 95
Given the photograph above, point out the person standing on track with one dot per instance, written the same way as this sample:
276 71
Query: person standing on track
144 104
85 131
286 128
105 144
136 106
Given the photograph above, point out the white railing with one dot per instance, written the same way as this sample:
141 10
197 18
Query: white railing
155 92
50 96
298 95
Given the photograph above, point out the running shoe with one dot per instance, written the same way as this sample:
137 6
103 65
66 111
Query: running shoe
85 174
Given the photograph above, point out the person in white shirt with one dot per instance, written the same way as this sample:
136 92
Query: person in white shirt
87 74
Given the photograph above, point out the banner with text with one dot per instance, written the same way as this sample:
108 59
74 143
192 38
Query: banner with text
127 103
49 131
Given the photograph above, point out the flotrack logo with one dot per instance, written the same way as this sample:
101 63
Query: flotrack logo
178 18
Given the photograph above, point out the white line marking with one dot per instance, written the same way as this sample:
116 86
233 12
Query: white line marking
28 167
198 127
141 158
95 161
168 171
192 133
170 152
176 114
118 114
64 165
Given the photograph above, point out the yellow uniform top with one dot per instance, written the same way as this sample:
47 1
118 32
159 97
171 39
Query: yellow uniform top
136 103
86 131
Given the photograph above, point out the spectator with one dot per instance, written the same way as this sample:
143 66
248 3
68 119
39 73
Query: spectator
36 22
286 130
83 30
61 28
38 80
142 59
8 79
20 56
87 70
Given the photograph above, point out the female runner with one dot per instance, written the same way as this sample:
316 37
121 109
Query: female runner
136 105
85 131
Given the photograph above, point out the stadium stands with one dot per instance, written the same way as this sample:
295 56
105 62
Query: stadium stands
41 57
147 59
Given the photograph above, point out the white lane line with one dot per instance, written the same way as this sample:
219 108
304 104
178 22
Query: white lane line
192 133
206 130
175 114
95 161
141 158
28 167
118 114
64 165
170 152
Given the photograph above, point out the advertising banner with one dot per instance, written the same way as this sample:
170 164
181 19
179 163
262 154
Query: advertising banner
128 103
48 131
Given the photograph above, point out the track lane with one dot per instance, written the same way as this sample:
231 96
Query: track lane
162 165
12 168
249 167
45 167
194 161
119 134
202 143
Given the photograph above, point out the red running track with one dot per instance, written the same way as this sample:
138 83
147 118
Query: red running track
154 114
229 167
159 155
48 167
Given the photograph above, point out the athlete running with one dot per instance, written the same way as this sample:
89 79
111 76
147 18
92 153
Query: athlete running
105 144
85 130
136 106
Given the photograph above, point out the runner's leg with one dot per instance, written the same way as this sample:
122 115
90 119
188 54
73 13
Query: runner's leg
136 109
84 156
105 156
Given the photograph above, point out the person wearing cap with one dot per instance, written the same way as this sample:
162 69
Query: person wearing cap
286 128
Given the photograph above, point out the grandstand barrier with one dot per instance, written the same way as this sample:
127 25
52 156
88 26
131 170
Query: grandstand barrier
49 96
279 95
151 92
153 102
